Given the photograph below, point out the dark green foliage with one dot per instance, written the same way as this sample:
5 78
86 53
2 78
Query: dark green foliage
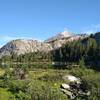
82 63
34 90
34 57
28 57
91 82
44 92
76 51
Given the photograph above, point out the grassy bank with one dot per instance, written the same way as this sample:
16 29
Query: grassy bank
44 84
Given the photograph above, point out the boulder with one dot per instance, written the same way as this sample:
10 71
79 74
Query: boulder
75 87
68 93
65 86
72 78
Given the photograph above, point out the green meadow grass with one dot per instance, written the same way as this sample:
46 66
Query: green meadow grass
44 84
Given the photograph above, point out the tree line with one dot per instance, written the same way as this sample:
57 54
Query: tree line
85 51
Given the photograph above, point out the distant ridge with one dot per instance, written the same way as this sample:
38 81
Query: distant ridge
22 46
64 34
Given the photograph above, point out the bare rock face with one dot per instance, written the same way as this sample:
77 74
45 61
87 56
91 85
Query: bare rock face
24 46
21 46
59 36
64 37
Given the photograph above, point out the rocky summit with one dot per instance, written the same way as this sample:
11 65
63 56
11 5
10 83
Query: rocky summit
60 35
21 46
64 37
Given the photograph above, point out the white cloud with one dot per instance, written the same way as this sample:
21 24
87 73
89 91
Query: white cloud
9 38
5 39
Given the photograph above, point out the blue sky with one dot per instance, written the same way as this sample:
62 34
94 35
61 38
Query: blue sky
40 19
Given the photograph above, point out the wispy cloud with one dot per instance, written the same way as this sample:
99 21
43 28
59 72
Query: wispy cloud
5 39
9 38
91 29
